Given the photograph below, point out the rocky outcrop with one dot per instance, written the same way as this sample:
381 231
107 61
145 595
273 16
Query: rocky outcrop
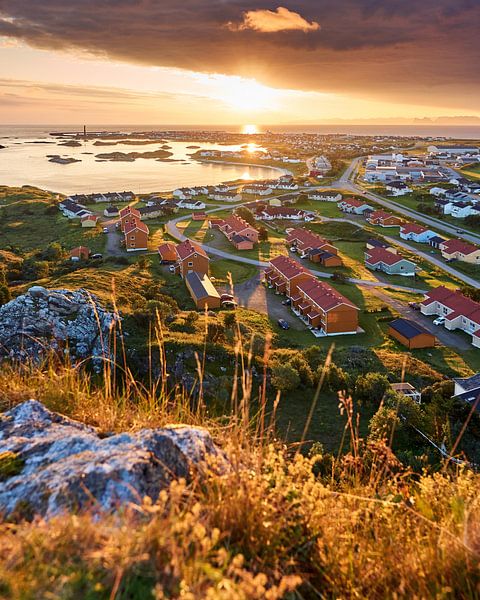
65 465
64 321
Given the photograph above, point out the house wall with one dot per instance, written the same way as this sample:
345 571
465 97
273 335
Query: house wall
342 319
200 264
139 241
422 340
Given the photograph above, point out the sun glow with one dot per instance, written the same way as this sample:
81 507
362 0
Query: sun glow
250 130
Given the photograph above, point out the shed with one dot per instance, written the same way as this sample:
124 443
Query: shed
411 334
202 290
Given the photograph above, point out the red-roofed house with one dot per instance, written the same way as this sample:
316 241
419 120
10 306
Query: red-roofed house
313 246
89 221
459 311
352 205
322 308
416 233
127 216
80 253
384 219
167 253
191 258
237 231
136 235
380 259
284 274
460 250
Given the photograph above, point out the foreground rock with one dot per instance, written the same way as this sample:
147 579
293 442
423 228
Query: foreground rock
64 465
61 320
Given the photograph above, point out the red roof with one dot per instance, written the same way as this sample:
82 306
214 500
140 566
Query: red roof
306 238
167 251
90 218
187 248
288 267
275 211
136 224
412 228
376 255
353 202
129 210
381 215
323 295
235 224
458 303
453 246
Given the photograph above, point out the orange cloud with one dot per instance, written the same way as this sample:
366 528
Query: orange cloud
271 21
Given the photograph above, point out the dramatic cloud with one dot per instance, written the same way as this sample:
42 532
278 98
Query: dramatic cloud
419 52
271 21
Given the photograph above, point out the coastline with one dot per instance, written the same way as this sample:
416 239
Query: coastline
229 162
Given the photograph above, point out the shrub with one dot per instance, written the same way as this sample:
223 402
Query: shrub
371 387
284 377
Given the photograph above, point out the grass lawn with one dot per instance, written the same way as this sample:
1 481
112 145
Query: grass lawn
263 251
472 170
219 268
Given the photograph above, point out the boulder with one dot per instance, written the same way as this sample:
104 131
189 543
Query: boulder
63 465
60 320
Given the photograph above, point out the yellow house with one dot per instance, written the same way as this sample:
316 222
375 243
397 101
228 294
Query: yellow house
275 202
89 221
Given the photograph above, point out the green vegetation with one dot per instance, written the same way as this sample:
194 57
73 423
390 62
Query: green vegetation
11 464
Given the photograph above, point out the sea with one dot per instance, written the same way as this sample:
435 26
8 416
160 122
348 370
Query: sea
24 161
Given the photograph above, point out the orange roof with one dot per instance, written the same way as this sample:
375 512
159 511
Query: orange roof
90 218
167 251
353 202
412 228
129 210
323 295
187 248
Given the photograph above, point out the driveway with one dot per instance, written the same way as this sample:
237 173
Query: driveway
112 245
447 338
252 294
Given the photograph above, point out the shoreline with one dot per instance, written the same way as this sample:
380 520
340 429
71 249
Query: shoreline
229 162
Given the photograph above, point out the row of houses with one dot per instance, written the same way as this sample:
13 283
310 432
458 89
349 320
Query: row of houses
270 213
110 197
387 168
320 306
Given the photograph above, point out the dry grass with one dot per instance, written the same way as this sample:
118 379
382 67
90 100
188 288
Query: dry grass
278 524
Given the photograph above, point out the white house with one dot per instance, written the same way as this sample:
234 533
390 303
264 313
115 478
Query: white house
397 188
416 233
191 204
352 205
325 196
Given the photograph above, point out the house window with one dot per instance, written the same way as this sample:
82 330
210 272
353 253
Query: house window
190 264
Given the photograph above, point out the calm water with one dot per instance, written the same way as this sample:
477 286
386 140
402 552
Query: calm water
24 162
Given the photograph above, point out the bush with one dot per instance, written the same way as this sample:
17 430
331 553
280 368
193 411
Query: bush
284 378
371 387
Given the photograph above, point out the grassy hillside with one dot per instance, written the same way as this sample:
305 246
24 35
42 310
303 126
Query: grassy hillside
279 524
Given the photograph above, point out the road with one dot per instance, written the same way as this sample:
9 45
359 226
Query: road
346 182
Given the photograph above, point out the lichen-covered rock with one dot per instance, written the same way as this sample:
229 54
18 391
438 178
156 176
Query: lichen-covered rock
60 320
65 465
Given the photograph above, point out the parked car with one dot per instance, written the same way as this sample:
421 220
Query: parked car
293 249
105 230
283 324
286 302
96 256
226 297
439 321
229 304
171 268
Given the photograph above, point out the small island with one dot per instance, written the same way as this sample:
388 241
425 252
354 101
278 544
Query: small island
62 160
71 144
132 156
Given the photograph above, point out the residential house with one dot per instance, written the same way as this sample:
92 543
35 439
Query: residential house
167 253
191 257
229 196
312 246
151 212
397 188
379 259
136 235
460 250
257 189
80 253
269 213
411 334
72 210
407 389
435 241
285 274
185 193
89 221
191 204
237 231
467 389
437 191
416 233
459 311
384 219
325 196
202 290
128 215
323 308
371 243
353 206
111 211
199 216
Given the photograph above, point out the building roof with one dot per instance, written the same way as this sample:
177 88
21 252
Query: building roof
455 301
377 243
307 238
129 210
288 267
201 285
452 246
90 218
353 202
412 228
469 383
376 255
236 224
324 296
136 225
167 251
276 211
409 329
187 248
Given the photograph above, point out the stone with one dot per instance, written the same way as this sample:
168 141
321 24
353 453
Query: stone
66 466
51 320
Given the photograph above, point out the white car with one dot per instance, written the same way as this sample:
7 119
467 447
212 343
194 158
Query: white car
171 268
439 321
105 230
293 249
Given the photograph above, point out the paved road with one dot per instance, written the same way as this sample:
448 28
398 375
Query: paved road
425 255
346 182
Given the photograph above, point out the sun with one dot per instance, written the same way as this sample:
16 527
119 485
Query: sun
247 95
250 130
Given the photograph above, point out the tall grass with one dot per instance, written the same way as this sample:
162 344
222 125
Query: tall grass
278 524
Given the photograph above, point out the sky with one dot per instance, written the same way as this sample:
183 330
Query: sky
233 62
